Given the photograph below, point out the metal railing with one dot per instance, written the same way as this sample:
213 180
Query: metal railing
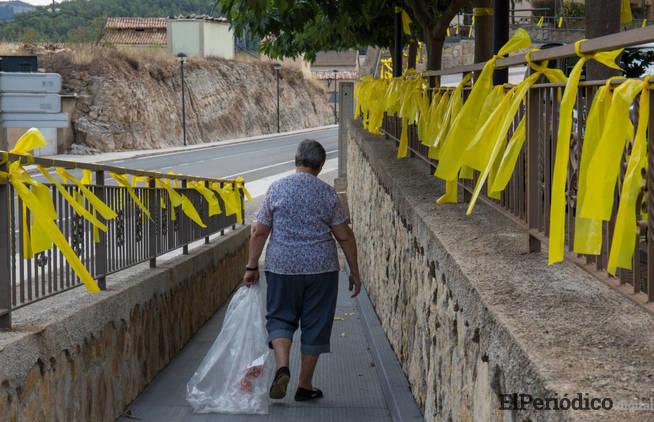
131 237
526 200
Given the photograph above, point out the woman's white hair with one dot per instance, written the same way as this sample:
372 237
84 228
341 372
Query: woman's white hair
310 153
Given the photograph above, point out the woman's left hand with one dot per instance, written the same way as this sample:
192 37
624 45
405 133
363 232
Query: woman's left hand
251 277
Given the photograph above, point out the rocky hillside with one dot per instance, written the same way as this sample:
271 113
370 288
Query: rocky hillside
131 100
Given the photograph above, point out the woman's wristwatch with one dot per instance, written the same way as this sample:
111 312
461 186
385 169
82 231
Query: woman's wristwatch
251 269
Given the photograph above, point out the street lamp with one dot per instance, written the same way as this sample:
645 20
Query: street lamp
181 58
277 67
335 95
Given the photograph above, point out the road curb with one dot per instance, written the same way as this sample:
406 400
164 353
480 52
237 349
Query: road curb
395 387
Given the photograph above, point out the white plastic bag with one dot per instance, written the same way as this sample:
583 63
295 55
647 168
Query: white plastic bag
235 375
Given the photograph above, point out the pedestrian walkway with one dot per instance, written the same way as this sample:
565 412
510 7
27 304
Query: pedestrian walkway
348 376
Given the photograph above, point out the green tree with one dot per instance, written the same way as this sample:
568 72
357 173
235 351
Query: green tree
294 27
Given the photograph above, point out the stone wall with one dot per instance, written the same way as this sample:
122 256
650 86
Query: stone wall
472 316
87 358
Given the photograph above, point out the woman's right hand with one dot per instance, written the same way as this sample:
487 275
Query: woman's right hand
251 277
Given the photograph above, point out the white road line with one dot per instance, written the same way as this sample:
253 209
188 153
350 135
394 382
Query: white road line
266 167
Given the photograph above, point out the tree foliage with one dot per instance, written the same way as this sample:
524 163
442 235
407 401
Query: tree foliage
83 20
303 27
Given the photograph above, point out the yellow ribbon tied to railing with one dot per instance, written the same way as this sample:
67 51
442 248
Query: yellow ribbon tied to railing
557 210
625 232
406 20
507 164
540 22
453 108
231 198
497 126
435 118
413 100
37 199
604 164
122 180
625 12
209 196
428 117
588 231
467 122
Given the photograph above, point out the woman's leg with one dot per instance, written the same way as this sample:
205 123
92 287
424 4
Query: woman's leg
282 347
320 294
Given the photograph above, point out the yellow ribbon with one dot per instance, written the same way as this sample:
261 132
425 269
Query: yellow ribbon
496 127
102 208
240 182
122 181
557 210
468 121
540 22
231 198
209 196
39 203
625 12
79 209
588 231
625 232
406 20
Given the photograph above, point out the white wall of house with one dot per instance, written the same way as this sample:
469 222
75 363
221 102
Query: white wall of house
185 35
198 37
218 40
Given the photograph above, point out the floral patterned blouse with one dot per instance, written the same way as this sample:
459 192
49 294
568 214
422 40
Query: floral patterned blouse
301 210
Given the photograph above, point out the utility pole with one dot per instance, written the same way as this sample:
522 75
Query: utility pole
500 36
277 67
602 18
483 11
181 57
397 37
335 95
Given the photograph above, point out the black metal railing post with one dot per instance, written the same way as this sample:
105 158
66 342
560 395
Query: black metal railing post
533 102
5 252
100 248
234 187
153 222
183 226
242 196
209 221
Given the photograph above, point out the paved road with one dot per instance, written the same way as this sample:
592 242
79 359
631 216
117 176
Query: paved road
253 160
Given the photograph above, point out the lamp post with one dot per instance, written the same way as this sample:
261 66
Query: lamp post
181 58
277 67
335 95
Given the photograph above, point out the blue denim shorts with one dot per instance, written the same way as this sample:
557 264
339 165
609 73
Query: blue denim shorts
309 299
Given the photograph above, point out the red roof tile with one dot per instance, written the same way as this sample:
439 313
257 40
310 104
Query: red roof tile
134 37
136 23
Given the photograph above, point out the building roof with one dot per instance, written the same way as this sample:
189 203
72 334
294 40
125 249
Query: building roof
136 23
135 37
217 19
336 58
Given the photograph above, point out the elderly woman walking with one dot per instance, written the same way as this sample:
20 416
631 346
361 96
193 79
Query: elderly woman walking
302 215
